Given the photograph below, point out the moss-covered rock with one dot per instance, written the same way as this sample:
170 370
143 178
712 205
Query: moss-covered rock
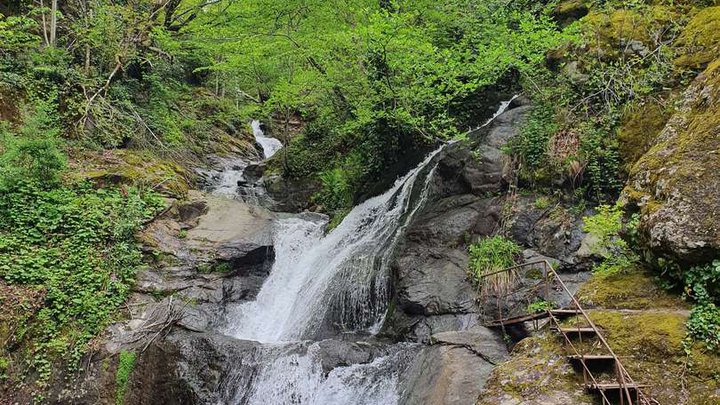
699 43
640 126
676 184
538 373
569 11
634 289
131 167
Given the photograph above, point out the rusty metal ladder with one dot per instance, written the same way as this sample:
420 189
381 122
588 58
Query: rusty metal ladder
628 392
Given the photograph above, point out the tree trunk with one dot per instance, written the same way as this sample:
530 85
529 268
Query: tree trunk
44 25
53 23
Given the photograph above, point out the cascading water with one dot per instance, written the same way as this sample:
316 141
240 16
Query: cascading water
322 285
340 279
270 145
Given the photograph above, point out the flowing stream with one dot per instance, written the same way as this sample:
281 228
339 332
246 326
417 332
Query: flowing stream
270 145
321 286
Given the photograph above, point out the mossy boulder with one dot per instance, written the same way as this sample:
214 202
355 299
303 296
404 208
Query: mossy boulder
640 125
132 167
610 33
569 11
676 184
699 43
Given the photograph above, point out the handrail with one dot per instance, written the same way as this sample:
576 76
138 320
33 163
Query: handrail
548 269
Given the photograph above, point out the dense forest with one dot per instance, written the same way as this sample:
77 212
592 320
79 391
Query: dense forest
107 106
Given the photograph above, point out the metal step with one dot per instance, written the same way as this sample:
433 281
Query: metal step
592 357
614 386
558 313
581 330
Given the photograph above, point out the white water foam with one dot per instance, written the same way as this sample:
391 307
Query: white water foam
270 145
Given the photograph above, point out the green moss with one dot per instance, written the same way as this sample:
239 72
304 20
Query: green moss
639 128
536 373
686 162
126 364
635 289
699 43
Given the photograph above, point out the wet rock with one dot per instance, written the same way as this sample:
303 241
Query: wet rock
463 203
206 368
290 195
454 370
478 339
434 282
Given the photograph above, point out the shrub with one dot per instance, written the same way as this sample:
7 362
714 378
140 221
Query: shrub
531 145
702 283
35 151
335 194
607 225
490 255
77 244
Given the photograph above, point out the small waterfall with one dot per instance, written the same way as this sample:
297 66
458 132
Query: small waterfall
340 279
289 375
270 145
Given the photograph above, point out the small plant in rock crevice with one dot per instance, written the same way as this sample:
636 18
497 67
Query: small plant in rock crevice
126 364
490 255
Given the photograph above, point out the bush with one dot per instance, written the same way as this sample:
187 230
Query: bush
531 146
607 225
490 255
702 283
35 151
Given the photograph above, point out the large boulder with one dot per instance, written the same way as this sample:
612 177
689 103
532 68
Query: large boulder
676 183
454 369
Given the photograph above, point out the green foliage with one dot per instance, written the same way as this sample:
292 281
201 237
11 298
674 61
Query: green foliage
540 306
77 244
606 226
602 159
126 364
702 283
380 83
532 143
335 194
490 255
33 153
704 325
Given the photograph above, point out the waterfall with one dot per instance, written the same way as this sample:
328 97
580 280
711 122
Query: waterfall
320 286
340 279
270 145
324 284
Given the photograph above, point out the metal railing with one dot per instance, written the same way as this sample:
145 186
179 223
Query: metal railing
625 382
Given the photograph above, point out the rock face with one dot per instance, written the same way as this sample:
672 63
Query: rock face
433 293
453 370
676 183
550 229
211 251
